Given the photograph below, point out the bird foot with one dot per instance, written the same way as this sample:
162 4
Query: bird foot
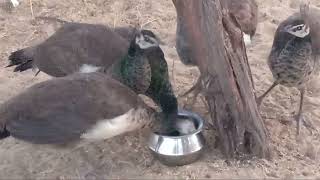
307 123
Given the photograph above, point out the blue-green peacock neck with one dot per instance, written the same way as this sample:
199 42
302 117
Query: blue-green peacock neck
133 70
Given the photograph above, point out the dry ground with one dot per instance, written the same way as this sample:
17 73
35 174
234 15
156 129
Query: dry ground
126 156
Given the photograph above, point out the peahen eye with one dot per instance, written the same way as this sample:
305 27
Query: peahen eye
299 28
147 39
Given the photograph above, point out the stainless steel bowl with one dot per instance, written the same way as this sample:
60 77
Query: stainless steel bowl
179 150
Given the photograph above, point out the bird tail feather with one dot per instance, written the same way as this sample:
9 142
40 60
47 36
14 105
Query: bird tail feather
4 134
21 60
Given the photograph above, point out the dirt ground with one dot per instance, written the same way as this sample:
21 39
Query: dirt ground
127 156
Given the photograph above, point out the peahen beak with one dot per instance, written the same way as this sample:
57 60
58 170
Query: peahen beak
160 41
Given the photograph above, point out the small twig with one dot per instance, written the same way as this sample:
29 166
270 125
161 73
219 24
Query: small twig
210 126
148 22
31 9
139 16
126 162
195 88
205 103
114 22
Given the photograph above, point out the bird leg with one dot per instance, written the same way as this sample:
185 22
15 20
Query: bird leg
299 117
260 99
37 73
196 89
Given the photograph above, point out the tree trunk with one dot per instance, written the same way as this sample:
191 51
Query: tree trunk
219 52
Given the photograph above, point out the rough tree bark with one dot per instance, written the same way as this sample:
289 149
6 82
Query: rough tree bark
220 53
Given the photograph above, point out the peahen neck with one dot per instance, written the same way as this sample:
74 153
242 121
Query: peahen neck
160 89
146 72
133 70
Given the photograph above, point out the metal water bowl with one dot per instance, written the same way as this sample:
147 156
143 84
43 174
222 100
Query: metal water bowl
179 150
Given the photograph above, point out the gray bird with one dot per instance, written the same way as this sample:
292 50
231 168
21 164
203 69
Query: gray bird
290 59
81 106
81 47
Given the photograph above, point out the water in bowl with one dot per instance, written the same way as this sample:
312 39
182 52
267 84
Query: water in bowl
184 125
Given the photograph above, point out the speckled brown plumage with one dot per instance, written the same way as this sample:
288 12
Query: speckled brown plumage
291 61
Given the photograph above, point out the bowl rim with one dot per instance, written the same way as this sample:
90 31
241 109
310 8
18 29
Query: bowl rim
195 116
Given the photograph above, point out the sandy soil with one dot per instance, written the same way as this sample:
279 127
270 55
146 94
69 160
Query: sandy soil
127 156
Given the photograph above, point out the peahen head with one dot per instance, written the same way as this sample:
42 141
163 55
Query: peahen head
143 40
296 27
300 30
146 39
